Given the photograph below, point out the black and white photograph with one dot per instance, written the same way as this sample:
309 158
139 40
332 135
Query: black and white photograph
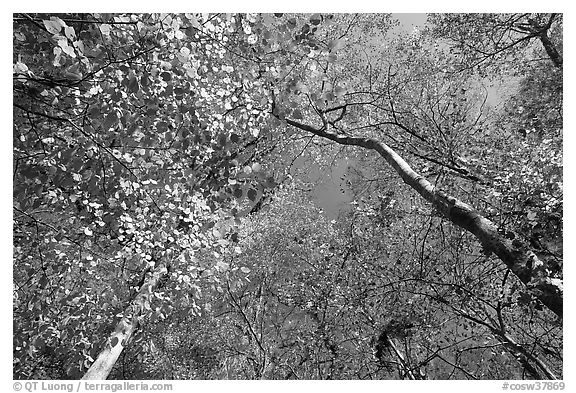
287 196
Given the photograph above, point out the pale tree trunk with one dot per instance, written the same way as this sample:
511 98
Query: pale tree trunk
525 357
405 369
127 326
515 254
529 359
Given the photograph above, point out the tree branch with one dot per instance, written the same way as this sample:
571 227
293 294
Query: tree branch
515 254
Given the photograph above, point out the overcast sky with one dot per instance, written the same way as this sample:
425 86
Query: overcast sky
328 193
409 21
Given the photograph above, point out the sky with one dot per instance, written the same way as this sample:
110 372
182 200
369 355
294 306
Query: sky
409 21
328 194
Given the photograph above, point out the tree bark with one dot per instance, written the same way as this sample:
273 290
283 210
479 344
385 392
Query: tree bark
406 370
551 49
522 354
127 326
542 34
524 357
515 254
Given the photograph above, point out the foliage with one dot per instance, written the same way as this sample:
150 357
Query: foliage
144 140
484 41
119 200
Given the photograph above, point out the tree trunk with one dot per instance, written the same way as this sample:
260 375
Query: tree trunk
551 49
524 356
542 33
515 254
127 326
405 369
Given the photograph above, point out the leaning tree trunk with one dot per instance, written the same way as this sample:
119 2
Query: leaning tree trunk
554 55
127 326
405 369
542 33
529 359
515 254
525 357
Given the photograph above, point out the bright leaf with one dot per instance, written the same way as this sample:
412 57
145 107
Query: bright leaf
105 29
70 33
54 25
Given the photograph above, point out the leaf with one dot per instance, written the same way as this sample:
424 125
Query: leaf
88 231
252 194
316 19
193 21
339 91
185 52
237 193
110 120
162 126
43 281
70 33
269 182
105 28
222 140
256 167
114 342
63 43
335 44
244 269
297 114
133 86
39 343
20 68
301 87
329 96
54 25
222 266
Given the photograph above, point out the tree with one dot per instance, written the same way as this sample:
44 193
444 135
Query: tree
131 199
492 37
509 248
145 144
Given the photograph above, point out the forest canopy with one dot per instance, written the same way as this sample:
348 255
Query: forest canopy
168 221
